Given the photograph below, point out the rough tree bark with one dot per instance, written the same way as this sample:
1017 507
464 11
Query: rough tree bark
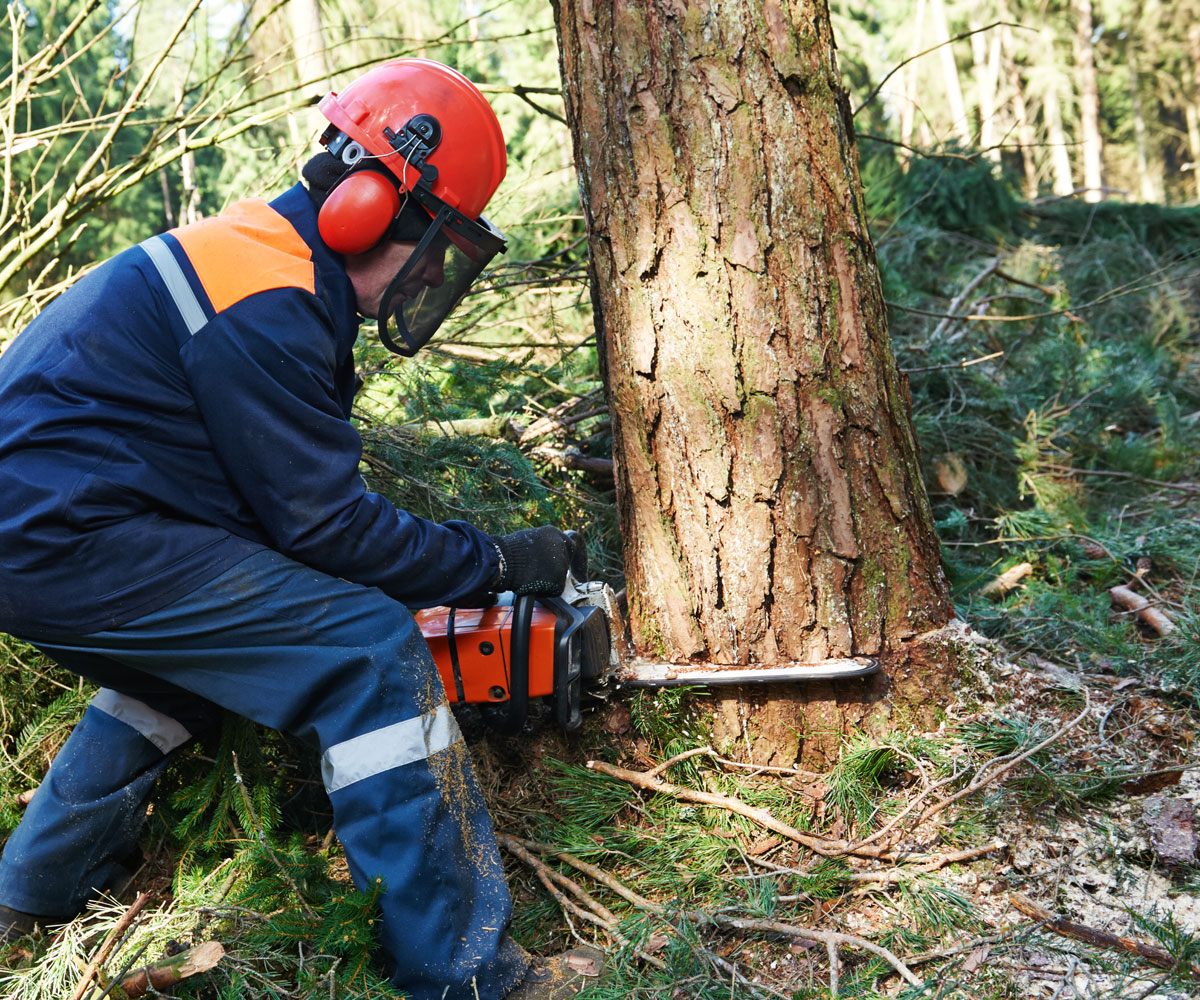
768 480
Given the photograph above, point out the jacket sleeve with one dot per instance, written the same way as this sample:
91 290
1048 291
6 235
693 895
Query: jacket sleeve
262 376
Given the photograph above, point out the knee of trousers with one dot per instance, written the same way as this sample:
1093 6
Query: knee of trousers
390 682
117 740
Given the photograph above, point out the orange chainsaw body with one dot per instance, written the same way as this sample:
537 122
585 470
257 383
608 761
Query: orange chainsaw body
504 655
482 640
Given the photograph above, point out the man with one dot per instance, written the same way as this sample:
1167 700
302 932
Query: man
184 524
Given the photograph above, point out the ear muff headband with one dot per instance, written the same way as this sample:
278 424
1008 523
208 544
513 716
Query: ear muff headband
358 212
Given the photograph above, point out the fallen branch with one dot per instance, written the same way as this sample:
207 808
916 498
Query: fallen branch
1092 935
763 817
561 419
821 937
826 848
502 426
1008 762
829 938
1158 620
599 915
122 925
599 874
927 867
573 458
170 971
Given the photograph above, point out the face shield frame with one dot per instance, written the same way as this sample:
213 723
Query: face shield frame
418 316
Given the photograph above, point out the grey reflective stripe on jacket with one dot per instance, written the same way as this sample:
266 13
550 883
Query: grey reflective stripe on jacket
176 282
161 730
392 746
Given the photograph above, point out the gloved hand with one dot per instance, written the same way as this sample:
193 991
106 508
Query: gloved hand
535 560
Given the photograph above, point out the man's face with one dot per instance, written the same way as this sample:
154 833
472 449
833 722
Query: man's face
370 273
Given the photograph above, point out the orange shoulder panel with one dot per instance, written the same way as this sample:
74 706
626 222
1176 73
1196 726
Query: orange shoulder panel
250 248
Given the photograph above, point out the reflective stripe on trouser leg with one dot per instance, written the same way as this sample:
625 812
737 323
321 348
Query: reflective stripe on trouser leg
86 815
332 662
164 732
392 746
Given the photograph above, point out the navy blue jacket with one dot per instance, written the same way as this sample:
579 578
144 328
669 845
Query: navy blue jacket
185 405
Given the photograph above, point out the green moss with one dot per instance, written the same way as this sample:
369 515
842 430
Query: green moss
831 395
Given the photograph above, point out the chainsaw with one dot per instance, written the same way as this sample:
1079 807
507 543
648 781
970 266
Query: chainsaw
517 648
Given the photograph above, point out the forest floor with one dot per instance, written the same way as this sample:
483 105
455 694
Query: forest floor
1094 824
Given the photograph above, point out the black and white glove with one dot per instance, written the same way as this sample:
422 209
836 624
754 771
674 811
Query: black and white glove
535 561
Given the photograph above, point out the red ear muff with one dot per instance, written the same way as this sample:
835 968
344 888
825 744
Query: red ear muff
358 212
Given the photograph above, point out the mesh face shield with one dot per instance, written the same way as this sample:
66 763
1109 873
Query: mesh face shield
450 255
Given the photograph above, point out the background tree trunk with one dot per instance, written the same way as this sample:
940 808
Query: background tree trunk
1056 137
985 49
1026 136
1089 103
1193 107
959 123
908 107
308 44
1148 177
768 481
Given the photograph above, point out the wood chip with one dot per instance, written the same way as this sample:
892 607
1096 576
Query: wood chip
1006 581
951 473
585 961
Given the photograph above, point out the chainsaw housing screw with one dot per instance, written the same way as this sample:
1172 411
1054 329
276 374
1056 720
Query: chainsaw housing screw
486 648
496 693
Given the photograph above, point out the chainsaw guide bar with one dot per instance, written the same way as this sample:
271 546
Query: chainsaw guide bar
647 673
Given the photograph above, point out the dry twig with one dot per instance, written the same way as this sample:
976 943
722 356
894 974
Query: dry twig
1092 935
829 938
122 925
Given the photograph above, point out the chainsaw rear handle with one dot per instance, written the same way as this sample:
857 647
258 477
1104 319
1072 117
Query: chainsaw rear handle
517 708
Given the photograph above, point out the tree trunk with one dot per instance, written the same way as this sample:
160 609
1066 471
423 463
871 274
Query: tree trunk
1149 180
308 45
1193 106
767 473
959 124
189 196
985 51
1026 136
1056 137
908 107
1089 103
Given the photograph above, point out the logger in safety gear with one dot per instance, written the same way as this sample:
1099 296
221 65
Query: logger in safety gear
184 524
415 153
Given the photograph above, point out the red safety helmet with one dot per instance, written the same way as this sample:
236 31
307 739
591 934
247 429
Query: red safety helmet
413 130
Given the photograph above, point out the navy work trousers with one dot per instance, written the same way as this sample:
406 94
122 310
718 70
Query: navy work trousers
342 667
